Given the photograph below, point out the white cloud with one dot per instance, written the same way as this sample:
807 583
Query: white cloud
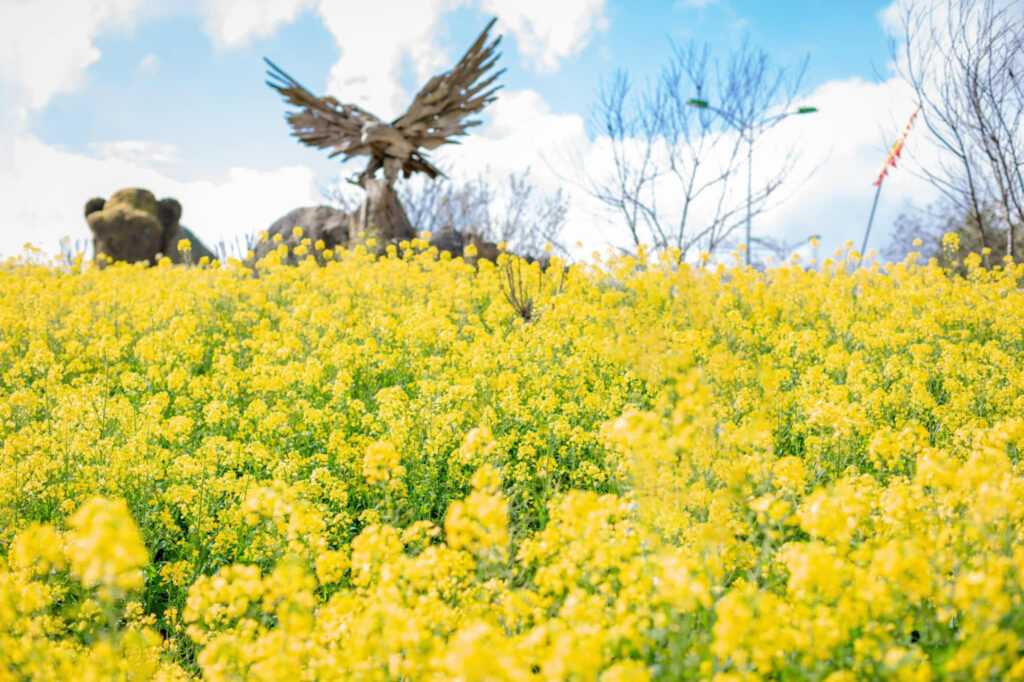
46 45
889 17
232 23
49 186
548 32
149 63
849 138
143 153
522 132
249 201
375 40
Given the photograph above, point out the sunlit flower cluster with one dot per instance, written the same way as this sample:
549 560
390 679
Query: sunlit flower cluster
352 467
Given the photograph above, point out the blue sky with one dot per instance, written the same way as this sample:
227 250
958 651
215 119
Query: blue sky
171 96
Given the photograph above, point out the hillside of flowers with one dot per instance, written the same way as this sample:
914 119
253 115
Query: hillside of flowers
378 469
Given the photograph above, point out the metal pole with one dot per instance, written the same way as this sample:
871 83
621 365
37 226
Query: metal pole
871 218
750 172
741 128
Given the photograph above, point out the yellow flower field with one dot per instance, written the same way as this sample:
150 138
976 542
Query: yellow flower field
377 470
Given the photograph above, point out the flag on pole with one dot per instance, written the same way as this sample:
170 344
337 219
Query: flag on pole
897 148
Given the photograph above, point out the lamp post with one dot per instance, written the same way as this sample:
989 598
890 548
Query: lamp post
747 131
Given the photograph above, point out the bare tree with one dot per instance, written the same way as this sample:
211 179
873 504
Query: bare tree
964 60
444 204
922 230
516 212
676 169
239 247
524 217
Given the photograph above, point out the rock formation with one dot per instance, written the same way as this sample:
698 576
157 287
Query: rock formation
336 228
318 223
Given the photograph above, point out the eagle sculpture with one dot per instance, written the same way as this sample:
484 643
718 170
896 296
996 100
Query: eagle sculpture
438 114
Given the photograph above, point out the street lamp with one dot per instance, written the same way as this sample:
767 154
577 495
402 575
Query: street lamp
747 131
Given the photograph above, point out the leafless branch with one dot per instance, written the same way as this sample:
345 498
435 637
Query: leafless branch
676 178
964 60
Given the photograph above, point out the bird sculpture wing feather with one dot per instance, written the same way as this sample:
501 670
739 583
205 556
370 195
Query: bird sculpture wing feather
437 113
323 122
435 117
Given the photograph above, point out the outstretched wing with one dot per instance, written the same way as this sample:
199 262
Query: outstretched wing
323 121
437 113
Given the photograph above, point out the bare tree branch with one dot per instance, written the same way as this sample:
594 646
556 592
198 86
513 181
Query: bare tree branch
516 211
964 65
674 168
